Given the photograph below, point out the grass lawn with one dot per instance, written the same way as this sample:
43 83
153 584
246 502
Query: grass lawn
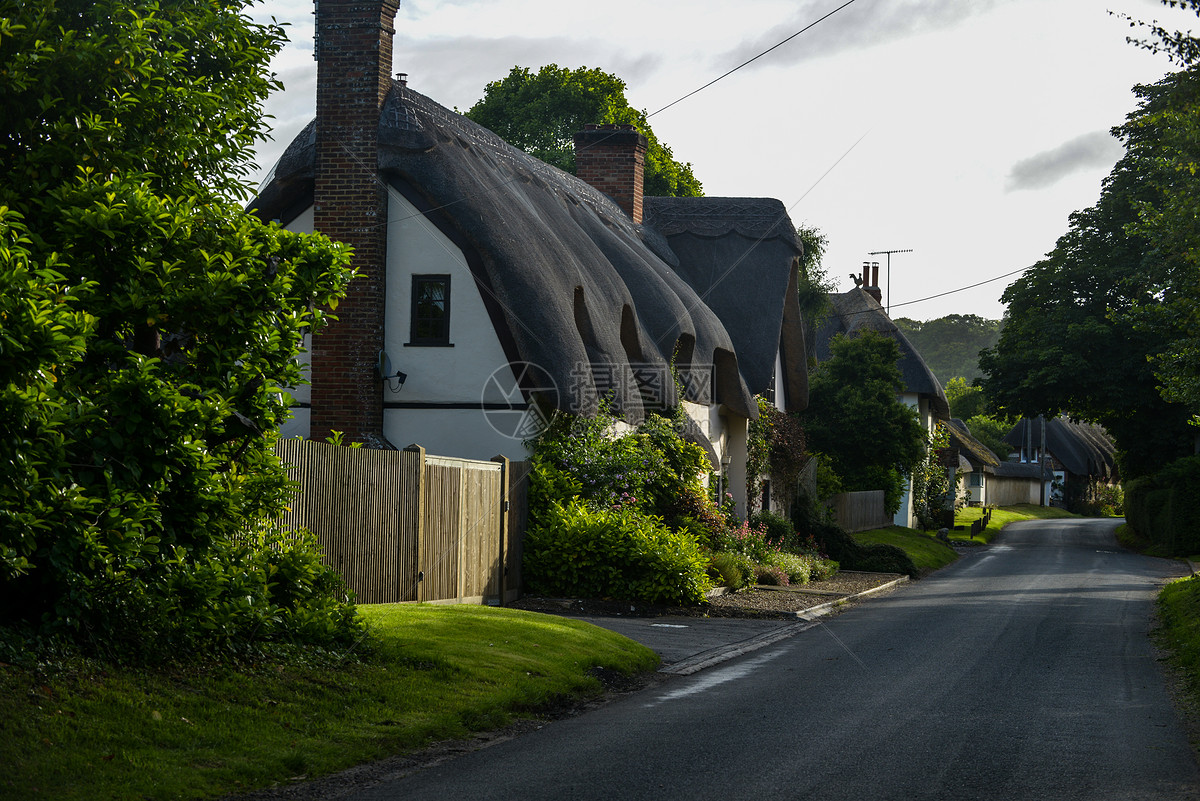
1179 611
92 731
1001 517
924 549
928 554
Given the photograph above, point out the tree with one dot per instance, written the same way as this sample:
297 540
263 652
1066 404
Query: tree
950 345
1164 135
541 112
854 419
148 323
965 401
815 285
1072 339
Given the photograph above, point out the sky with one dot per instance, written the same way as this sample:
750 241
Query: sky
965 131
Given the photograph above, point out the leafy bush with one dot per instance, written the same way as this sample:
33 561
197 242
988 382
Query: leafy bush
579 551
148 322
1161 507
778 530
732 570
851 555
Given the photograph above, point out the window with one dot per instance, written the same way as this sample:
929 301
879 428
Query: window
430 310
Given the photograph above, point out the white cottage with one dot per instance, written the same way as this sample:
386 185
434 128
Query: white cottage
496 289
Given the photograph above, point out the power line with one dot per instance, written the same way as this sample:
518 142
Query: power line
751 61
960 289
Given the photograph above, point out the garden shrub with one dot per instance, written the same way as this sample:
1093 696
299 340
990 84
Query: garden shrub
1161 507
578 551
732 570
778 529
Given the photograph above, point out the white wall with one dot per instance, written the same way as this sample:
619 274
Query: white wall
905 515
474 371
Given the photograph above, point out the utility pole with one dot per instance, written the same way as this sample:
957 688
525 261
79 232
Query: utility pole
889 266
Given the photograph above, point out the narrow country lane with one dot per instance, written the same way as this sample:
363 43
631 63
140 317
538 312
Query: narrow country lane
1021 672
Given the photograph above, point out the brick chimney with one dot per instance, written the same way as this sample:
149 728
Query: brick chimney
872 287
612 158
353 50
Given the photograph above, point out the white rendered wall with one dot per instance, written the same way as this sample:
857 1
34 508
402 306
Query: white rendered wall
443 375
904 515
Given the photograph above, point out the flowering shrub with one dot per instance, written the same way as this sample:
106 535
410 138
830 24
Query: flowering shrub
767 562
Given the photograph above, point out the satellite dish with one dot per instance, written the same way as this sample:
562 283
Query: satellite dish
384 366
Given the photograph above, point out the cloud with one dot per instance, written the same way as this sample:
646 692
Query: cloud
455 71
1096 149
860 25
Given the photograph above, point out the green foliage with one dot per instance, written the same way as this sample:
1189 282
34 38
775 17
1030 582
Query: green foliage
579 551
965 401
815 285
148 324
619 516
768 551
1088 326
1179 613
950 345
870 438
991 432
778 529
653 469
541 112
931 484
872 558
1161 507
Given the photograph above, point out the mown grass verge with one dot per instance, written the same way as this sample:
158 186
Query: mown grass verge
924 549
93 731
1179 613
1001 517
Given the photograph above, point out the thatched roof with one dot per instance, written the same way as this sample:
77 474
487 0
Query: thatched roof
569 279
1084 449
978 455
856 311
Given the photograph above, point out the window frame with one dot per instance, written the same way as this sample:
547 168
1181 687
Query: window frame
442 339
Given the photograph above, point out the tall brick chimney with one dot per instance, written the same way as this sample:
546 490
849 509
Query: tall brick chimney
872 286
353 50
612 158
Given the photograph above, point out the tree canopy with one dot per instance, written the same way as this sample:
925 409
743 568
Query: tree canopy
853 418
148 323
540 113
950 345
1163 138
815 285
1086 326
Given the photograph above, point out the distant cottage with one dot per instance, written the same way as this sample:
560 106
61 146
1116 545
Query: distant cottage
496 289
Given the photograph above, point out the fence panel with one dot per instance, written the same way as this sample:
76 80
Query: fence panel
1006 491
408 526
860 511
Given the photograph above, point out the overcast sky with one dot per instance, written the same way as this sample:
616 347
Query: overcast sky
964 130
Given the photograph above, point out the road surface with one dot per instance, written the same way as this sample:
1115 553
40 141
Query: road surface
1023 671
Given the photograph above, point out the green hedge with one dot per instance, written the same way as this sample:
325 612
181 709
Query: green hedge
1163 507
578 551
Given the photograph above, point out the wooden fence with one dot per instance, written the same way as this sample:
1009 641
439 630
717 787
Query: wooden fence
1010 491
408 526
860 511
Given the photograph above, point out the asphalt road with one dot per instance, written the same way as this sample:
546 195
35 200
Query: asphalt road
1023 671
